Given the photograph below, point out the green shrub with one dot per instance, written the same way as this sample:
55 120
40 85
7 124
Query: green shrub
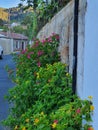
42 98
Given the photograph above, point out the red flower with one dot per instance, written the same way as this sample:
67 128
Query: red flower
78 111
56 121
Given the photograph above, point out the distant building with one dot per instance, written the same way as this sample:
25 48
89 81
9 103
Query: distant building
14 24
12 42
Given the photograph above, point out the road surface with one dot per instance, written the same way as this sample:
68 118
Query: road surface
5 84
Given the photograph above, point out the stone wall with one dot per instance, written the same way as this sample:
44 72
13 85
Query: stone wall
62 24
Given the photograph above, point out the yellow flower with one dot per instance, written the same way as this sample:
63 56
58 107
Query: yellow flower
54 125
36 121
91 107
16 127
22 115
24 128
17 81
65 64
37 75
67 74
27 120
90 97
42 113
14 96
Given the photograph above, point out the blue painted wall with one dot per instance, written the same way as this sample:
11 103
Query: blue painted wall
90 86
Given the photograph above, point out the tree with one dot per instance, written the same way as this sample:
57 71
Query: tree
1 22
17 29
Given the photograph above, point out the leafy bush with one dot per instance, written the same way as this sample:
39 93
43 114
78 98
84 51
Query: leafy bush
42 98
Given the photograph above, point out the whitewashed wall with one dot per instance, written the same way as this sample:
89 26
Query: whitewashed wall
90 86
81 44
6 44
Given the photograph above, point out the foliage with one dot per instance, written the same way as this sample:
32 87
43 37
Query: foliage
27 65
42 97
67 117
43 12
39 54
31 22
1 22
18 29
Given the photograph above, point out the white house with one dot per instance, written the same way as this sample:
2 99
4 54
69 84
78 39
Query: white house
87 66
90 84
13 42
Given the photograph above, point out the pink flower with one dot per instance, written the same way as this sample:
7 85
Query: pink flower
39 53
53 34
56 121
57 37
49 39
43 41
78 111
31 53
23 51
28 56
37 43
39 64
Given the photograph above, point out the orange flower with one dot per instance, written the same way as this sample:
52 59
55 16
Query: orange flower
90 128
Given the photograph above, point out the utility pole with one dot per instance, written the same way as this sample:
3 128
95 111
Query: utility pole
9 26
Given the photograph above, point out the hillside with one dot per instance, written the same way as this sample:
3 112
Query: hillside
3 14
16 14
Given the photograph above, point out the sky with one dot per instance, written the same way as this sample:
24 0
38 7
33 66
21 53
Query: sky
9 3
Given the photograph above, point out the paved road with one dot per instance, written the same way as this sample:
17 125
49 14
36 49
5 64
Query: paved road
5 84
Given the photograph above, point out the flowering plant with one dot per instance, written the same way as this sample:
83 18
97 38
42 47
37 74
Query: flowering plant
68 117
42 98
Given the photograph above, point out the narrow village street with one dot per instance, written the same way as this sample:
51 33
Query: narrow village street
5 84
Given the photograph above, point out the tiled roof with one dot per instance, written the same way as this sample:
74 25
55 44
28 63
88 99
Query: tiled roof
14 35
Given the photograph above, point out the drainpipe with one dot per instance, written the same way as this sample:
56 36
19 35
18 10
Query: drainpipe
75 47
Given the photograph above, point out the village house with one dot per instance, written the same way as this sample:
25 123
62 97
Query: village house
12 42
